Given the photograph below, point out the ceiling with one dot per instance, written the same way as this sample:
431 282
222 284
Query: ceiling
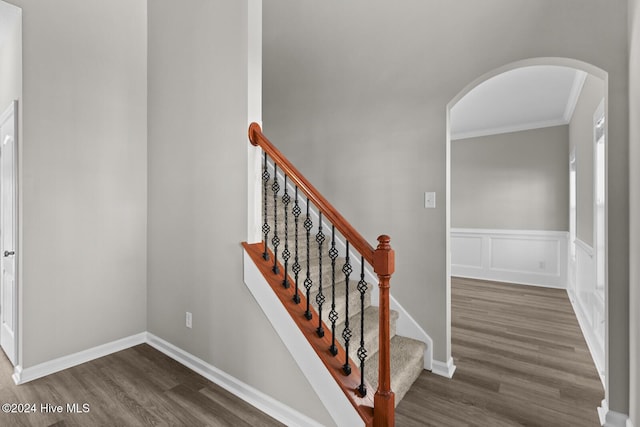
9 15
520 99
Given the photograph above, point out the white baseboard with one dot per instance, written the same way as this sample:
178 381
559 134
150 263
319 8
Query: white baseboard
616 419
528 257
265 403
444 369
602 411
609 418
21 376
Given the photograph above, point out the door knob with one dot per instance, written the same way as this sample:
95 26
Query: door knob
7 253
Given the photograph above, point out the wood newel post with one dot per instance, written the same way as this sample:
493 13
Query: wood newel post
384 399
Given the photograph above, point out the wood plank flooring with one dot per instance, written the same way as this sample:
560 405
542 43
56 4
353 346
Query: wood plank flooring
135 387
521 360
520 357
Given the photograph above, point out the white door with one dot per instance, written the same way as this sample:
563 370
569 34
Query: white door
8 289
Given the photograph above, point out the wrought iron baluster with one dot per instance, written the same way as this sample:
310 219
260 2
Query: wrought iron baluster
265 226
275 240
362 352
346 333
286 254
308 283
320 296
296 261
333 314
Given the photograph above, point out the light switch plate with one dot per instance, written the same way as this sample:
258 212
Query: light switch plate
430 199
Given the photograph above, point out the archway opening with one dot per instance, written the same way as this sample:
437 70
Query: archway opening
526 191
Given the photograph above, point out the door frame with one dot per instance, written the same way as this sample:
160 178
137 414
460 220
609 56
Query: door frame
13 110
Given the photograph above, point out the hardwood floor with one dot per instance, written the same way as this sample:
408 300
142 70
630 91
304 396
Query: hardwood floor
135 387
520 356
521 360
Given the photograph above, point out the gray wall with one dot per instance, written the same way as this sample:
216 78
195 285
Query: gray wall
517 181
198 199
634 159
355 94
11 67
83 175
581 140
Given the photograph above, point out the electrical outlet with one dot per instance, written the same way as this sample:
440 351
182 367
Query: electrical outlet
542 265
189 320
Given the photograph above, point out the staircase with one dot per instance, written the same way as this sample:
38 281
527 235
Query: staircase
407 355
320 279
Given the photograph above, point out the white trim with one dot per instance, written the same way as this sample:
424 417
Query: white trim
609 418
528 257
588 249
508 129
444 369
254 397
13 353
615 419
312 367
21 376
254 114
602 411
576 89
586 312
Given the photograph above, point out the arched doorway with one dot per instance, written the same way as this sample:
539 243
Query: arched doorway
583 256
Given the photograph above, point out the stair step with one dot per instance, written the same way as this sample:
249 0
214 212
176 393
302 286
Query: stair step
354 300
371 342
314 272
407 362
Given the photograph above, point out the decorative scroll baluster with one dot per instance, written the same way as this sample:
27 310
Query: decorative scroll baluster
275 240
308 283
265 226
286 254
296 261
362 352
320 296
346 333
333 314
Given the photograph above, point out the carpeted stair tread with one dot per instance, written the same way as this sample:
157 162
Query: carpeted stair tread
371 342
354 300
407 362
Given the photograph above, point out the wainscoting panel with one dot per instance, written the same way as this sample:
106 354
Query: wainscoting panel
588 303
516 256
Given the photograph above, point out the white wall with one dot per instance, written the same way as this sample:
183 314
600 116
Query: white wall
198 77
356 94
516 180
82 175
634 161
581 140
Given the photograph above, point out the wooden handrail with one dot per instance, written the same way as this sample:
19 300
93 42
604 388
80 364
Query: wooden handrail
258 139
382 259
